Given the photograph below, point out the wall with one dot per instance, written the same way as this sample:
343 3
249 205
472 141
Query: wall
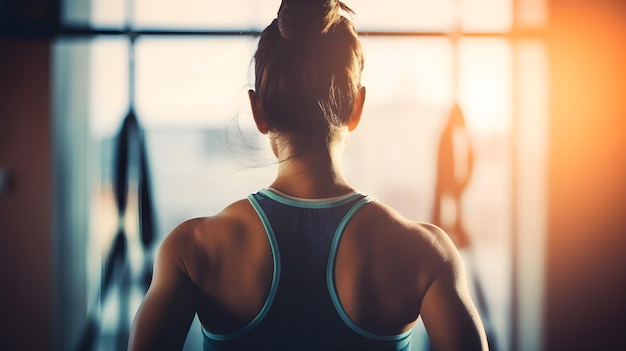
586 273
25 212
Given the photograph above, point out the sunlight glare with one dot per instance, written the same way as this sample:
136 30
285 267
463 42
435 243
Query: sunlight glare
485 84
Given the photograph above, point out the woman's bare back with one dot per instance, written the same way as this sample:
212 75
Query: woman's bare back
383 268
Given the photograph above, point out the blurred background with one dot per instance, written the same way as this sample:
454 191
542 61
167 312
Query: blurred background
504 121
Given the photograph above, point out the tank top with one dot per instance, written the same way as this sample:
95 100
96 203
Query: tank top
302 310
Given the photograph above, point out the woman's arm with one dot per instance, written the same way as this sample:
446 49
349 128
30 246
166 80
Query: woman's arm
163 319
447 310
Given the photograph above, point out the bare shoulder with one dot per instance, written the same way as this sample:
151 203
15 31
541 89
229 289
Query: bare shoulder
193 243
428 245
383 218
397 259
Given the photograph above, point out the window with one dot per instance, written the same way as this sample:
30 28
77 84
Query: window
192 71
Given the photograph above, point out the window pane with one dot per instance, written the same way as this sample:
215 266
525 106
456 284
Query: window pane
222 15
486 15
108 84
485 72
485 84
192 81
404 15
108 13
531 13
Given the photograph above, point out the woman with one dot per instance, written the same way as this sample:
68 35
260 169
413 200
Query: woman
308 263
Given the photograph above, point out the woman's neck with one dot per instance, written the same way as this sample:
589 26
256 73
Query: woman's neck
310 172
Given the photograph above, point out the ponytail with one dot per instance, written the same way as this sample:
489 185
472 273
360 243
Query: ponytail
308 67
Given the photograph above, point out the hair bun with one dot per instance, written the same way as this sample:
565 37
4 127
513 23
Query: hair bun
303 19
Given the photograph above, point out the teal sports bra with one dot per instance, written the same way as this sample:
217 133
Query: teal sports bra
302 310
